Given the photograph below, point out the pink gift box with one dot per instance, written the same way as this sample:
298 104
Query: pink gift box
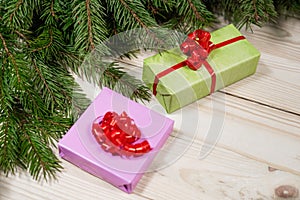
80 147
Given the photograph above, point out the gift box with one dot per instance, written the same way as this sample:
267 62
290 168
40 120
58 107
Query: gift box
80 147
203 64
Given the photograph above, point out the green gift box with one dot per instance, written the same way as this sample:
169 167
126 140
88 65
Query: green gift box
177 88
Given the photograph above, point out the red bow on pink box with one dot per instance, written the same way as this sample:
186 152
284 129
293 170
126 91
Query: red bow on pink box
119 135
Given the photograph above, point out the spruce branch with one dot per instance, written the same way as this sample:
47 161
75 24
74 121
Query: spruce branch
89 25
39 158
52 8
4 45
106 73
47 45
115 78
18 14
22 36
44 82
11 57
133 14
130 15
188 15
14 11
245 13
256 12
9 153
89 21
194 9
288 7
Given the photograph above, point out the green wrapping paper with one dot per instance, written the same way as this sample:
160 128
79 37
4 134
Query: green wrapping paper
183 86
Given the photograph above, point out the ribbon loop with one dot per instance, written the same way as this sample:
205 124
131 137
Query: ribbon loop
197 46
202 38
118 135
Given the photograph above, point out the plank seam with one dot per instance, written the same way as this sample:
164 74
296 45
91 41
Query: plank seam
261 103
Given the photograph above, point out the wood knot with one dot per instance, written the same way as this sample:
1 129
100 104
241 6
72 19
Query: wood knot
286 191
271 169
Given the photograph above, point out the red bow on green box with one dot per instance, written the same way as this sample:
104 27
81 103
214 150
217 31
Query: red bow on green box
197 47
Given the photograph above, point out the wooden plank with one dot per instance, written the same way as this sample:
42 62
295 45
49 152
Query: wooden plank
277 81
73 183
221 175
259 132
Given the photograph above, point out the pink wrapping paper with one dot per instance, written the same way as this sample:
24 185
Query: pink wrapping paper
79 146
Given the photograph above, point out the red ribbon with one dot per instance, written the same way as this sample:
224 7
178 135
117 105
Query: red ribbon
197 47
118 134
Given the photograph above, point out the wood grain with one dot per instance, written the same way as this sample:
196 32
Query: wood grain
259 122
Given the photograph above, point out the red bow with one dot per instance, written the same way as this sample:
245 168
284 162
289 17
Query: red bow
117 134
197 47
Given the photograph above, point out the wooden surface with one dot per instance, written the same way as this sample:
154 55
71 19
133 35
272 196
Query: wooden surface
260 128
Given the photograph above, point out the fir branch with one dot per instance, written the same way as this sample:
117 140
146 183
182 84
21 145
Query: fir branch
90 28
198 16
52 9
14 12
256 16
117 79
163 10
18 14
8 143
10 56
51 129
22 36
89 21
4 151
189 15
36 153
130 14
37 107
47 45
43 80
40 159
52 123
108 74
288 7
7 154
244 13
133 14
49 81
255 12
4 45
